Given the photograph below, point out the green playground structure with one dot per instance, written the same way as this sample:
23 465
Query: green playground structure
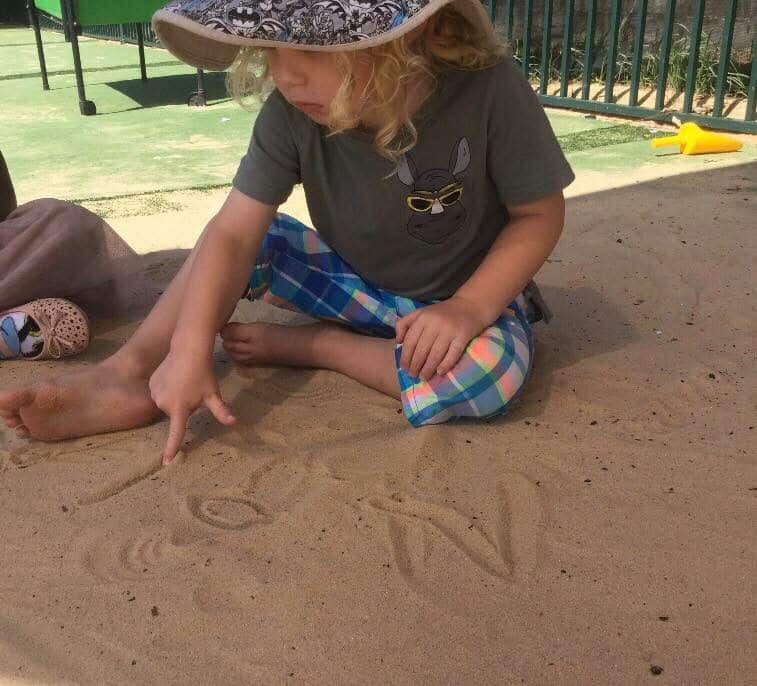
75 14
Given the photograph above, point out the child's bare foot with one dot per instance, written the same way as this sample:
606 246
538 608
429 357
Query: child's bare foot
260 343
104 398
367 359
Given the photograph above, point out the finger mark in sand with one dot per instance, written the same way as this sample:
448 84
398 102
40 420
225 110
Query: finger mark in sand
254 479
145 556
228 512
468 538
284 481
122 482
273 437
519 529
78 451
409 548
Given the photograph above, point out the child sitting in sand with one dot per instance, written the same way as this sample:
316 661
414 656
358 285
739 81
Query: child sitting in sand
434 182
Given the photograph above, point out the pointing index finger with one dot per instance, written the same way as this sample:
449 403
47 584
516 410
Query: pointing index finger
176 430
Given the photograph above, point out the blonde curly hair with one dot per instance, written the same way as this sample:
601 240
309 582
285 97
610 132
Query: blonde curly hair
399 71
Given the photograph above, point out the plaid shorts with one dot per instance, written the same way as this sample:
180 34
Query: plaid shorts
296 269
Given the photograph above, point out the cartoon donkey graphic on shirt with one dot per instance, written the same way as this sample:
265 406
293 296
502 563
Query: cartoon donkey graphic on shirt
435 196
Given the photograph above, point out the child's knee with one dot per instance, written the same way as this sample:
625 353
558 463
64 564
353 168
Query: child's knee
489 377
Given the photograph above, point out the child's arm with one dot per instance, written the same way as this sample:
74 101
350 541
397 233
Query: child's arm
221 264
433 338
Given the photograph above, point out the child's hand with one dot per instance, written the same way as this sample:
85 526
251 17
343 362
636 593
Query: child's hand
433 338
180 385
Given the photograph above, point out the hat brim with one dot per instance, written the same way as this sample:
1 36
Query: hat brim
215 50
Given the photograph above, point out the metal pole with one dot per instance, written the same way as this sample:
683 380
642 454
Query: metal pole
199 99
612 51
86 107
752 89
695 36
31 8
591 25
665 44
141 44
509 18
527 20
546 47
567 45
725 55
638 51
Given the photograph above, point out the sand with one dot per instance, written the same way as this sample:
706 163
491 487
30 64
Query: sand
603 532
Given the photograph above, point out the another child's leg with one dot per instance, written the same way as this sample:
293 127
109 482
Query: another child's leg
109 396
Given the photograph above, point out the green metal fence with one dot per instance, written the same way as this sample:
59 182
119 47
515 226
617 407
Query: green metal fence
566 70
124 33
588 58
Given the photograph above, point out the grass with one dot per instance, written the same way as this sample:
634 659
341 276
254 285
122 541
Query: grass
601 138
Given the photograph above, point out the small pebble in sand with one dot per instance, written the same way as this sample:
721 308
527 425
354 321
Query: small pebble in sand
656 670
663 618
154 611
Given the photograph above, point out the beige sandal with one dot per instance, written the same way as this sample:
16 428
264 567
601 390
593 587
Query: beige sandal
63 326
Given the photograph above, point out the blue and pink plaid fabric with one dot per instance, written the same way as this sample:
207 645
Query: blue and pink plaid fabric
296 269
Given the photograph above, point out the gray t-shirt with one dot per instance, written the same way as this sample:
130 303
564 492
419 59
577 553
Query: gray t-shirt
422 227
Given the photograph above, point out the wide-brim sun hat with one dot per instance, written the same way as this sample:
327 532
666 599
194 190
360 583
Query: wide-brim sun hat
208 34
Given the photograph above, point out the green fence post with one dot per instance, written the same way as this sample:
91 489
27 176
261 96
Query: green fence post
527 21
509 15
546 47
591 25
725 56
612 51
493 10
567 44
665 43
695 36
752 90
638 51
